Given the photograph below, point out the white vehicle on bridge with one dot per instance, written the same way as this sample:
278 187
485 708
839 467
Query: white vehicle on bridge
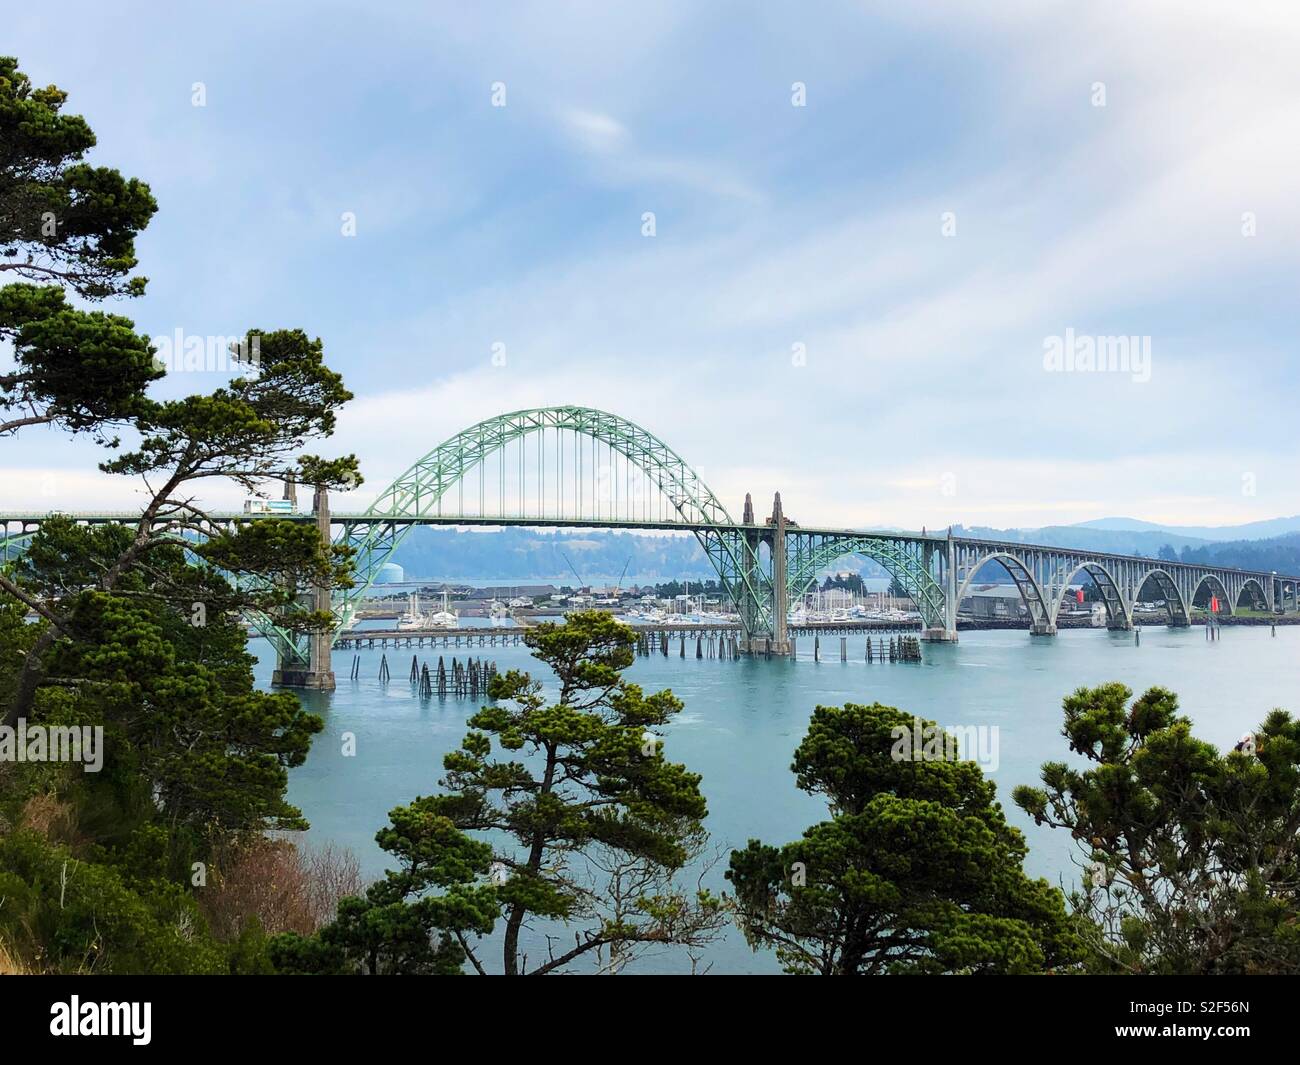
257 505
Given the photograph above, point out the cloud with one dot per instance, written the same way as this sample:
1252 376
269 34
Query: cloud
815 230
595 132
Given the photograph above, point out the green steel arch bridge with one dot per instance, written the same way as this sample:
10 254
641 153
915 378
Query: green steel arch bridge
576 467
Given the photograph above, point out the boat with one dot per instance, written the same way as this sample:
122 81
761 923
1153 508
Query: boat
412 618
444 618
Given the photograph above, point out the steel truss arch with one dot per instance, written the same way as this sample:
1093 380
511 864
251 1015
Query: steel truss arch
421 489
807 560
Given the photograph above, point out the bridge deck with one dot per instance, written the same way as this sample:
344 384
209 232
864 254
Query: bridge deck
345 520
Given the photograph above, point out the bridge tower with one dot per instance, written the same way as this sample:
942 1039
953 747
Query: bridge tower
318 671
758 637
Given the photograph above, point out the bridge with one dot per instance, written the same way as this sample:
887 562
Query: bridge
577 467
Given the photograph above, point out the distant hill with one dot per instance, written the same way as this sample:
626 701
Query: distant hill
1087 538
1273 544
1251 530
511 554
1281 553
532 555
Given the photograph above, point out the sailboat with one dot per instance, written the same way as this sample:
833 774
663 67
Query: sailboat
412 618
444 618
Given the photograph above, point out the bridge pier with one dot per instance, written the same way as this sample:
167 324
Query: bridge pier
317 672
947 633
939 635
777 641
780 592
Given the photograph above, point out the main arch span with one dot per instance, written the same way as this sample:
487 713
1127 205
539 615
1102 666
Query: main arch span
587 487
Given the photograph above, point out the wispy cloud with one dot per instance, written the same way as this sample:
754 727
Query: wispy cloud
800 321
593 131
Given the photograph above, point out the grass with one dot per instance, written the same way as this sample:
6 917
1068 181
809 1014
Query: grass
10 963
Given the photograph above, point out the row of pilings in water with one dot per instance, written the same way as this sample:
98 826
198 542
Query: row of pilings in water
894 649
724 646
707 645
469 678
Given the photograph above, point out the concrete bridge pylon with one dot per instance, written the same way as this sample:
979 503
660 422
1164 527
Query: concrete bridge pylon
317 672
772 638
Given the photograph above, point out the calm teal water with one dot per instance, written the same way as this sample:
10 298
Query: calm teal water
743 720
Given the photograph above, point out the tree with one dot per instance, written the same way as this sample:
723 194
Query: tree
137 627
79 916
398 929
1191 858
247 431
82 371
88 372
584 822
65 226
916 871
850 582
62 220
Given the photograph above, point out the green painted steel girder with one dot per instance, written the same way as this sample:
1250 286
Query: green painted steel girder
811 554
424 487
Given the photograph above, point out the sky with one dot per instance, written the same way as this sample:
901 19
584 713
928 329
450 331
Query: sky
873 226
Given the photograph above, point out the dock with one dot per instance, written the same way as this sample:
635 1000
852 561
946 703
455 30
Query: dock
512 637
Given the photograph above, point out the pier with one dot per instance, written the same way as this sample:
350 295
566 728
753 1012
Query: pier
513 637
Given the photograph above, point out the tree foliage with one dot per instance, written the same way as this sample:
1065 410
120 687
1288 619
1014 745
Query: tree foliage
61 219
1189 856
561 812
65 226
916 871
137 626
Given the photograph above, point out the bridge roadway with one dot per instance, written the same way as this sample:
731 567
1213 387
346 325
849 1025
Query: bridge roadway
584 458
30 520
936 569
